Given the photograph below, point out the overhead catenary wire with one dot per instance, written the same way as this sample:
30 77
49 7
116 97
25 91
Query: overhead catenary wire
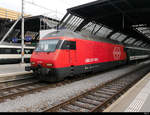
40 6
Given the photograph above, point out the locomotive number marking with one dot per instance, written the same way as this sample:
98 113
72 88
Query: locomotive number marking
91 60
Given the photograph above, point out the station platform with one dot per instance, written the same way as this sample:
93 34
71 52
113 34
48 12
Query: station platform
11 71
136 99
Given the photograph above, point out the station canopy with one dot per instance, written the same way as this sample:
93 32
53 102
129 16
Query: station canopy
126 21
33 25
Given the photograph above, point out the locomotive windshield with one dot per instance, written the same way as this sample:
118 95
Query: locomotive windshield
47 45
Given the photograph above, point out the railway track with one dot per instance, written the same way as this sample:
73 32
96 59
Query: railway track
33 86
30 85
11 89
13 78
15 83
99 98
19 90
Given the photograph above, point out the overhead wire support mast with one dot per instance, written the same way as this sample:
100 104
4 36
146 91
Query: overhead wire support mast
22 33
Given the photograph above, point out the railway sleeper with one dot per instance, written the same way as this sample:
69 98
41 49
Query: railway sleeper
124 83
83 105
62 110
85 100
31 87
11 92
119 85
69 109
77 108
95 98
101 95
114 86
1 95
7 93
14 91
105 92
109 90
23 89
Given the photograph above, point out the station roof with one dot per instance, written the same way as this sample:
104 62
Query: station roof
33 25
130 17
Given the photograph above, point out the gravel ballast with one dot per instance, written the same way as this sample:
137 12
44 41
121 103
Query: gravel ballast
39 100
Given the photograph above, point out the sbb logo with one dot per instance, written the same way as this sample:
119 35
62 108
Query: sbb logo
117 53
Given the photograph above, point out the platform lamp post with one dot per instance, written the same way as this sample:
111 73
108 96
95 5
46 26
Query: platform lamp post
22 33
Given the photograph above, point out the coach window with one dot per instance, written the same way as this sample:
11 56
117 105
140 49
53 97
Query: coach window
69 45
1 51
8 51
14 51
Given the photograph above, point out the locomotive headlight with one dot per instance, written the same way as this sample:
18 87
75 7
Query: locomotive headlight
32 63
50 65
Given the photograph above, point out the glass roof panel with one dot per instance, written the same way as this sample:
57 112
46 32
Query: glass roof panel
128 40
131 40
144 30
115 36
121 37
104 32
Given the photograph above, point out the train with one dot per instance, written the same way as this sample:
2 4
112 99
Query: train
64 53
9 53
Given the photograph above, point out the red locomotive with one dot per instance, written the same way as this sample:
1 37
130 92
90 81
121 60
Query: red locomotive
65 53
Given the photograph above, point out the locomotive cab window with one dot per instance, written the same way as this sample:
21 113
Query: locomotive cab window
69 45
47 45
